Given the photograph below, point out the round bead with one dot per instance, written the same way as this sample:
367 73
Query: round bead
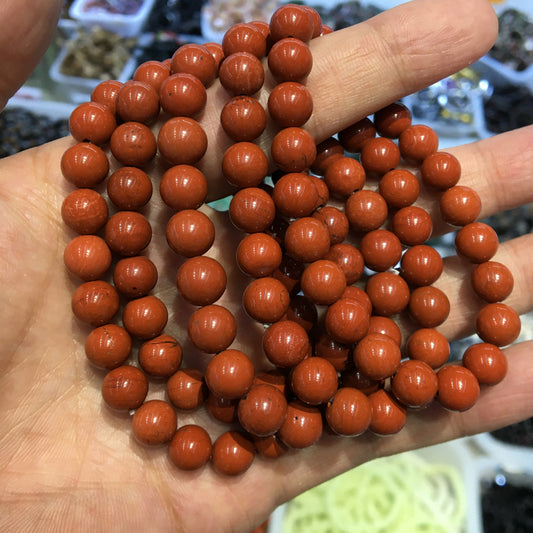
417 142
460 205
336 222
289 273
381 249
293 149
262 410
291 20
190 233
88 257
415 384
129 188
326 152
290 104
302 311
233 453
392 120
440 170
182 141
487 362
108 346
385 326
366 210
258 254
359 295
244 37
84 211
429 346
270 447
421 265
106 93
252 210
95 302
286 343
212 328
217 52
84 165
323 282
388 292
154 423
290 60
201 280
241 73
355 379
183 95
354 137
161 356
153 73
222 409
135 276
498 324
349 259
183 187
317 21
412 225
194 59
145 317
190 447
429 306
380 155
137 102
314 380
399 188
244 164
307 239
344 176
349 412
458 388
243 118
295 195
229 374
92 122
302 427
492 281
133 144
186 389
124 388
337 353
128 233
388 415
377 356
476 242
347 321
266 300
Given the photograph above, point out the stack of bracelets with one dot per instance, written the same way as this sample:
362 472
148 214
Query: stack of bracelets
334 359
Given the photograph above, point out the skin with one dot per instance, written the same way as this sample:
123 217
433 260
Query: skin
70 463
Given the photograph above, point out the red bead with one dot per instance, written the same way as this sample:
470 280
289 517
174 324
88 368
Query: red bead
303 311
92 122
215 49
201 280
476 242
95 302
270 447
357 380
399 188
244 37
243 118
350 260
84 211
337 353
154 423
381 249
290 60
229 374
124 388
275 377
322 190
415 384
137 102
186 389
347 321
266 300
190 233
244 164
314 380
84 165
286 343
417 142
498 324
106 93
392 120
161 356
182 141
290 104
291 20
133 144
366 210
183 187
359 295
222 409
190 447
429 306
129 188
212 328
252 210
336 222
458 388
388 415
428 345
88 257
380 155
326 152
460 205
153 73
128 233
293 149
258 255
233 453
195 59
145 318
135 276
349 412
492 281
412 225
108 346
421 265
307 239
183 95
344 176
241 73
354 137
388 293
487 362
385 326
377 356
323 282
302 427
317 21
295 195
440 170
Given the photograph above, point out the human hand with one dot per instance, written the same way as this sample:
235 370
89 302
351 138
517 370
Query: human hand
68 462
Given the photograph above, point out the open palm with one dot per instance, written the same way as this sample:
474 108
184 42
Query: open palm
68 463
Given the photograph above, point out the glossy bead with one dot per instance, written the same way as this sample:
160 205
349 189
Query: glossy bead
106 93
492 281
286 343
217 52
137 102
487 362
366 210
186 389
222 409
417 142
95 302
337 353
323 282
377 356
291 20
381 249
229 374
290 60
302 427
244 164
244 37
355 136
270 447
84 165
399 188
145 318
135 276
161 356
92 122
108 346
262 410
347 321
307 239
380 155
153 73
392 120
349 259
295 195
190 233
344 176
385 326
360 296
201 280
212 328
195 59
388 415
498 324
183 187
129 188
440 170
183 95
266 300
429 306
421 265
154 423
124 388
326 152
336 222
349 412
428 345
388 292
322 190
314 380
190 447
476 242
293 149
233 453
317 21
289 273
458 388
275 377
412 225
128 233
182 141
84 211
460 205
252 210
241 74
415 384
243 118
87 256
258 255
290 104
133 144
